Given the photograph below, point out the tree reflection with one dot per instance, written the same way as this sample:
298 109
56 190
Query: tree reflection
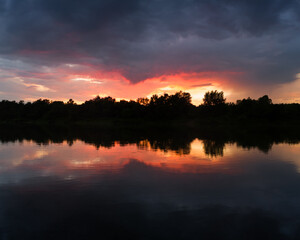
177 140
213 148
181 148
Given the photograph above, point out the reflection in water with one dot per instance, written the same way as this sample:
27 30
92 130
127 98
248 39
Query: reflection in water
113 187
165 139
213 148
166 145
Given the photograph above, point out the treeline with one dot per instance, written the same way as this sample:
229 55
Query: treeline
165 107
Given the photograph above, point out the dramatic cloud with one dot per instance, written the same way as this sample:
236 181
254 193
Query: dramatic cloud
138 40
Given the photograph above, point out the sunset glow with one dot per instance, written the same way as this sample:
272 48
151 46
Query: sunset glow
61 159
63 57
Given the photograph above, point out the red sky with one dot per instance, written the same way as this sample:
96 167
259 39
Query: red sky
83 82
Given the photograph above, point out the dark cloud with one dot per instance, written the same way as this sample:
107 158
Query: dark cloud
143 39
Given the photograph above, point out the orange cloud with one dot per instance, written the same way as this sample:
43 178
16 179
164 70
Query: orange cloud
84 81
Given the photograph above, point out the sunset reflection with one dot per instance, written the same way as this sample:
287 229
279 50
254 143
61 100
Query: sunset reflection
81 159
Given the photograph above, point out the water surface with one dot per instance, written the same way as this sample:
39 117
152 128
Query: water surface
149 189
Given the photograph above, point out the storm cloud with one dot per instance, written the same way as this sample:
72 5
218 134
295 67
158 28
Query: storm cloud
144 39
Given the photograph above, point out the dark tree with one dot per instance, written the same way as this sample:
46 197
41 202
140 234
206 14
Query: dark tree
143 101
214 98
265 100
71 102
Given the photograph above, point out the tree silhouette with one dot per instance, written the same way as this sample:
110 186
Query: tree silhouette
71 101
164 107
265 100
213 98
143 101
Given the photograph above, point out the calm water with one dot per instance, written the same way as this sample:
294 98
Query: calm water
149 189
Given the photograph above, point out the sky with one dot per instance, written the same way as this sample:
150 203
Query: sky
62 49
